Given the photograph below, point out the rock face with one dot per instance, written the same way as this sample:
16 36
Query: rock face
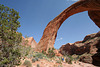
29 42
96 57
57 53
90 45
86 59
49 35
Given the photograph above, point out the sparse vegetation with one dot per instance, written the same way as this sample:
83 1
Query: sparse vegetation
38 65
9 55
59 61
11 51
39 55
60 66
26 42
44 52
51 52
27 63
35 59
69 59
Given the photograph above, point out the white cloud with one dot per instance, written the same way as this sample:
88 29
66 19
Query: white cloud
59 39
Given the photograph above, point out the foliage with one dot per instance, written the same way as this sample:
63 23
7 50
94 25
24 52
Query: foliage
58 61
39 55
9 56
8 26
51 52
60 66
27 63
26 51
38 65
26 42
75 57
43 52
69 59
35 59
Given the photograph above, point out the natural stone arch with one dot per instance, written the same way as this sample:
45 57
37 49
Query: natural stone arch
50 32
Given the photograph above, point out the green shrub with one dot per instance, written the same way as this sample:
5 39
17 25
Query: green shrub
69 59
39 55
33 60
36 59
43 52
75 57
38 65
51 53
9 39
27 63
25 51
9 55
58 61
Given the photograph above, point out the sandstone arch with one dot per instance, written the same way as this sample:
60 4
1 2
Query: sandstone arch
50 32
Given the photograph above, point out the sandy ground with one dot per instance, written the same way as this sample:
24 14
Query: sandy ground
46 63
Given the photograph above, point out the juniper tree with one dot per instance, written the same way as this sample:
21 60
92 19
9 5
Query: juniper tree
8 26
9 37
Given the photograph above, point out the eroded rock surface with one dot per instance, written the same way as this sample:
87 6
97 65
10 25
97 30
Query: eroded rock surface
29 42
49 35
90 45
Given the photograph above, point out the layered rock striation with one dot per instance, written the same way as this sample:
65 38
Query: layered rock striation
50 33
90 45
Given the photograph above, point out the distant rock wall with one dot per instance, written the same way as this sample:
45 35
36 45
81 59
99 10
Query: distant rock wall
29 42
89 45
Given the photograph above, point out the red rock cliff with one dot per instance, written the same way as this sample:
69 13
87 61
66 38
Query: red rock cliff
50 32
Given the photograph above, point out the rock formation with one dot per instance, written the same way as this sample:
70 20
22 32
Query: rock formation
57 53
90 45
29 42
50 32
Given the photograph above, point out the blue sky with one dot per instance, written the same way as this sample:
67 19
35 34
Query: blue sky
36 14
